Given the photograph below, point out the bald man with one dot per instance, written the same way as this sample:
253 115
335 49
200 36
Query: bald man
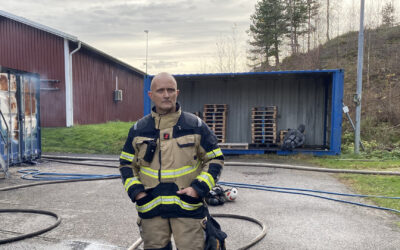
170 161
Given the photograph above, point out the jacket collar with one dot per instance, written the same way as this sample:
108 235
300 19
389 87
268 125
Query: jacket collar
168 120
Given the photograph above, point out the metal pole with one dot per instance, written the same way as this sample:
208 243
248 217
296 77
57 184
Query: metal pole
147 46
357 97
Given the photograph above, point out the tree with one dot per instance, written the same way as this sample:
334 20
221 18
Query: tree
267 30
227 51
297 18
327 20
312 12
388 14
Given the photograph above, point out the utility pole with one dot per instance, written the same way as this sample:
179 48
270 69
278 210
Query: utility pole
357 96
147 46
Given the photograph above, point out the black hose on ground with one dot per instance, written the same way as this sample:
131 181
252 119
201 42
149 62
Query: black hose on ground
54 182
271 165
29 235
241 217
78 158
81 163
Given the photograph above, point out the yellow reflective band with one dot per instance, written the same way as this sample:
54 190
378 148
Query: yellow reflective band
207 178
149 172
214 153
127 156
167 200
173 173
131 181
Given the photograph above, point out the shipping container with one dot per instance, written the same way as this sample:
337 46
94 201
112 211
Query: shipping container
259 107
20 117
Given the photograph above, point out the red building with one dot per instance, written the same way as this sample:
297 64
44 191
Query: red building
79 84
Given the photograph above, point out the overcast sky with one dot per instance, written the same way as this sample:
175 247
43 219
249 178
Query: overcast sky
182 33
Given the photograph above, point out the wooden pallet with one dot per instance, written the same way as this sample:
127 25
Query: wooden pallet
263 124
266 108
256 126
264 141
214 116
215 107
264 133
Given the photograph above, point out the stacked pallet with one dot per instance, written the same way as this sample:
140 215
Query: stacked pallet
263 125
215 117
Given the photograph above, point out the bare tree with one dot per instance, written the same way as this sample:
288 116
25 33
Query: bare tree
227 53
327 20
312 11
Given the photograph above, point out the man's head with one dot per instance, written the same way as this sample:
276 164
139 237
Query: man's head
163 92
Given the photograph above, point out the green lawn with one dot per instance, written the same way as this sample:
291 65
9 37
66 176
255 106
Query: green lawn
376 185
108 138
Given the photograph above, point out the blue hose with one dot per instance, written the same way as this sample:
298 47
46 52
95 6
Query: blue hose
36 175
236 184
277 189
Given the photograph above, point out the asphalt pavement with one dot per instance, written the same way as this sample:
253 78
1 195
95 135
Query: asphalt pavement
99 214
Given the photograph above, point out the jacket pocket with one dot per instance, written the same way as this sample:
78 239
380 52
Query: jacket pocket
189 199
144 200
142 145
185 141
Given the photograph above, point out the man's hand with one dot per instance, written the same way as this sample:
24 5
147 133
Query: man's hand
189 191
140 195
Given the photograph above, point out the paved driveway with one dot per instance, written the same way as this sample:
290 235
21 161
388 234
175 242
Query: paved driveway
99 215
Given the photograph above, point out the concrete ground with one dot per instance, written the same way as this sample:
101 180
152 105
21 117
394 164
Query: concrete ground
99 214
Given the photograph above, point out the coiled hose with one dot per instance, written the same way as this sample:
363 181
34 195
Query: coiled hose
259 237
29 235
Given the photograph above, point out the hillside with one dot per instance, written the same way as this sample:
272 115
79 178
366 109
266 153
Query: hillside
381 77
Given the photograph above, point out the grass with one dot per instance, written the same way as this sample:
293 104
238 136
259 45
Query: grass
376 185
107 138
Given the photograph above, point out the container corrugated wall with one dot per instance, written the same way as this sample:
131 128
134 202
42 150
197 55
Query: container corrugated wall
25 48
94 83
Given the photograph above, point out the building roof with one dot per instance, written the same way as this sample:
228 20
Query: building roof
66 36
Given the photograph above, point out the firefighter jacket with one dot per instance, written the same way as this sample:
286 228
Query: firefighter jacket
166 153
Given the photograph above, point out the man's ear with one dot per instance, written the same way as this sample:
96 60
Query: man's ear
149 93
177 92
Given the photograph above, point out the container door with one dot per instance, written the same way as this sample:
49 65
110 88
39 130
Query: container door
30 144
10 123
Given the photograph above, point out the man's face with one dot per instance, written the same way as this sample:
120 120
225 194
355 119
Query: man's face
163 94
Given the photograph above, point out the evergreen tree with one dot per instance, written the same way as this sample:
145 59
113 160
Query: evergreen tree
388 15
267 30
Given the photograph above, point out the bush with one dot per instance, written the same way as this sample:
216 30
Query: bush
379 139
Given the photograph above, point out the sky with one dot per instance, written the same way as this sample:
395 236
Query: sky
182 38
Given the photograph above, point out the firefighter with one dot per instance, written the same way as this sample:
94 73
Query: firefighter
170 161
